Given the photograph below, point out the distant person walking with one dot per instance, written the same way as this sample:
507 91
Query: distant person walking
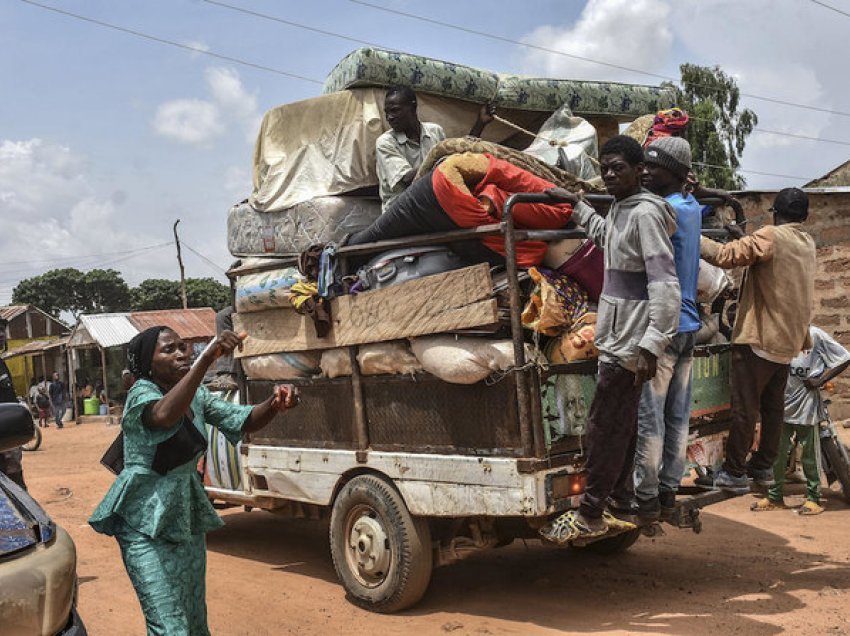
58 399
42 403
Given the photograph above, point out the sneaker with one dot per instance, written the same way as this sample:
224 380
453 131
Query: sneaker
571 526
730 483
667 501
761 476
721 480
648 510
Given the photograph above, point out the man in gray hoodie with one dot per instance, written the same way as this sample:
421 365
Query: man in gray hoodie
637 319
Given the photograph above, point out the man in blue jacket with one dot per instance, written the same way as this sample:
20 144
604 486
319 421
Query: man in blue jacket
665 402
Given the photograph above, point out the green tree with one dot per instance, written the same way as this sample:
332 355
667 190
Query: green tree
207 292
156 293
103 291
54 292
69 289
718 130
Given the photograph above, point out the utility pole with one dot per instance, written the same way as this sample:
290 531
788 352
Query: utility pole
182 271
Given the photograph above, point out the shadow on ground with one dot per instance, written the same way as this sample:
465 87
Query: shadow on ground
725 580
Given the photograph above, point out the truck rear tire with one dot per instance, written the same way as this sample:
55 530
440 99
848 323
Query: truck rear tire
382 555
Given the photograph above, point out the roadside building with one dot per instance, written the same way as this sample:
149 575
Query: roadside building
27 325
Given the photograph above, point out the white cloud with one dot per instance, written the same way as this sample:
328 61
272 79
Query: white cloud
191 121
53 216
200 121
631 33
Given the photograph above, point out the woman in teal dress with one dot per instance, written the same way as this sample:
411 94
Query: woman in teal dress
161 520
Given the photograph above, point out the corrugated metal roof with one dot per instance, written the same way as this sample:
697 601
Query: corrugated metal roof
36 346
106 330
12 311
189 324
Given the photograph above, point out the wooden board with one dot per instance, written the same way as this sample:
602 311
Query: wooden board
459 299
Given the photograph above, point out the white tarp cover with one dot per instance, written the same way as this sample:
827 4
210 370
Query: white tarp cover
326 145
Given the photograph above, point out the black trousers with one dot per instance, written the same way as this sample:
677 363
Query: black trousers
417 211
611 437
758 393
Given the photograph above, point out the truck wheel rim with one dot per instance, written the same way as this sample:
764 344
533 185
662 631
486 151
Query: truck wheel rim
368 551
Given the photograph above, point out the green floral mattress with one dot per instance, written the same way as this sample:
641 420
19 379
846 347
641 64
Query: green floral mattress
376 67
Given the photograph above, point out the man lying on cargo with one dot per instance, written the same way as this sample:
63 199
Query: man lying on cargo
637 320
402 149
468 190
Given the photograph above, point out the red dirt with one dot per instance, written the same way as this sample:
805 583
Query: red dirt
746 573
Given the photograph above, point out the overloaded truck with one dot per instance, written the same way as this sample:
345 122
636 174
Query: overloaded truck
433 422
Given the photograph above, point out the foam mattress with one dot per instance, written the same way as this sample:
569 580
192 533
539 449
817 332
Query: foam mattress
291 231
376 67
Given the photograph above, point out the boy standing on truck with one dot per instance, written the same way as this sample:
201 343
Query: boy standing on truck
804 411
637 319
401 150
665 403
771 327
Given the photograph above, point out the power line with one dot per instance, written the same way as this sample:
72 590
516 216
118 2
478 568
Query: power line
765 174
204 258
80 256
234 60
298 25
500 38
826 6
179 45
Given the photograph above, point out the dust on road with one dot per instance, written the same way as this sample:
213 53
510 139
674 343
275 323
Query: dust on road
746 573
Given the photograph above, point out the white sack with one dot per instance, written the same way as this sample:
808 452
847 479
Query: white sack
387 358
463 360
281 366
711 282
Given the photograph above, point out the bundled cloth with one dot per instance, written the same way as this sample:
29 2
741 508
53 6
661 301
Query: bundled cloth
667 123
305 298
575 345
556 303
266 290
518 158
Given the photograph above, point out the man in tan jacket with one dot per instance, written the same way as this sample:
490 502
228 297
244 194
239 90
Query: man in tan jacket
771 327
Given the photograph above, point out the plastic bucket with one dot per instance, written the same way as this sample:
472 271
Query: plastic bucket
104 410
91 406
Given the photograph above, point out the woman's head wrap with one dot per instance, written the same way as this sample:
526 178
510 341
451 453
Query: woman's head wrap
140 351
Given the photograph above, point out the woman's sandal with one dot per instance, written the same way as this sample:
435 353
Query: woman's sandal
568 527
810 508
766 505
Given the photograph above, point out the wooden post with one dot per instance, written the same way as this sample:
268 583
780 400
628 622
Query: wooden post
180 263
103 374
72 380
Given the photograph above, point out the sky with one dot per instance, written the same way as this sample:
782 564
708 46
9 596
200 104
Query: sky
107 138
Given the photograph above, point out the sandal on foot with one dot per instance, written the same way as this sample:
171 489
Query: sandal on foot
766 505
616 524
810 508
569 527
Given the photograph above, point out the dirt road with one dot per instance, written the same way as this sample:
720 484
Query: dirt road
746 573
